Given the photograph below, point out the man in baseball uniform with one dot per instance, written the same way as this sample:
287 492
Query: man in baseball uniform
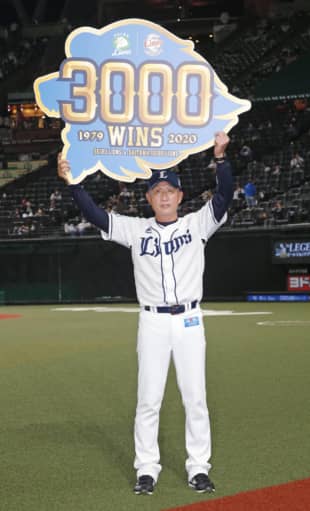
168 258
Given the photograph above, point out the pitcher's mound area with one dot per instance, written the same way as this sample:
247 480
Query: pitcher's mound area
294 496
10 316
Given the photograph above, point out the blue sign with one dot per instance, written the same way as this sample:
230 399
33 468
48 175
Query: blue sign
134 97
291 251
278 298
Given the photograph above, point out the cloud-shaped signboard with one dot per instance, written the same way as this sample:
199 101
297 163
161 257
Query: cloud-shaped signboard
134 97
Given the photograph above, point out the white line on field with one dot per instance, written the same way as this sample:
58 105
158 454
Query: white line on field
205 312
284 323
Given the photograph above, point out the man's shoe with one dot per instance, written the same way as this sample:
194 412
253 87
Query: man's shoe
144 485
201 483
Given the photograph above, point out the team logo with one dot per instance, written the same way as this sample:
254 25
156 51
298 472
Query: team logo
121 44
281 251
153 45
130 110
194 321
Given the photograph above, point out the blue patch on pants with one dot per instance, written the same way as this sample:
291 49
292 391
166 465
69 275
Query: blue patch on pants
191 321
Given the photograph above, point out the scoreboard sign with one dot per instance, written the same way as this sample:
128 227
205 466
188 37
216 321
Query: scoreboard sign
133 97
298 282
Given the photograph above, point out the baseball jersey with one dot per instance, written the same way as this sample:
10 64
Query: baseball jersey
168 260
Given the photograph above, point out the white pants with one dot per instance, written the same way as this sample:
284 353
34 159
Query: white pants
159 337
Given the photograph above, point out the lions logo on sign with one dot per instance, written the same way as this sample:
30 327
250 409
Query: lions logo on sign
121 45
133 97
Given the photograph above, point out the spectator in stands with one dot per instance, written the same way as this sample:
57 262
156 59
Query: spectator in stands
246 153
262 194
132 210
27 210
300 104
124 198
55 200
39 212
293 213
22 230
124 192
276 170
297 165
250 194
238 197
267 169
291 131
70 228
303 214
261 217
24 157
23 202
112 203
278 212
82 226
297 161
239 192
56 196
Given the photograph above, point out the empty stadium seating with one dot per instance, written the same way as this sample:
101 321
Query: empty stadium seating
262 147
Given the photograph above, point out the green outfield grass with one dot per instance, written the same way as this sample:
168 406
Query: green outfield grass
68 394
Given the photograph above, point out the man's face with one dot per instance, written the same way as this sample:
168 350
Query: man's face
165 199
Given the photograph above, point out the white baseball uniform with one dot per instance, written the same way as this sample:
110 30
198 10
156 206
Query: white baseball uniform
169 263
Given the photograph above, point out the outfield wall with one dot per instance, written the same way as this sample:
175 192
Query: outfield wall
90 270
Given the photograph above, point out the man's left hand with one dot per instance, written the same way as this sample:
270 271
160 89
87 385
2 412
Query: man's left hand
221 142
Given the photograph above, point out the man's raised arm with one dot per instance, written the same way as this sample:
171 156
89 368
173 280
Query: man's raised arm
224 190
93 214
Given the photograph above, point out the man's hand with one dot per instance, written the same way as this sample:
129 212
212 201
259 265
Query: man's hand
63 169
221 143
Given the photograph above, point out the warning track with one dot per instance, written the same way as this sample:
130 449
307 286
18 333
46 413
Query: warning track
293 496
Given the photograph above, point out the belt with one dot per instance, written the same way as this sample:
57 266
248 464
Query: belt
172 309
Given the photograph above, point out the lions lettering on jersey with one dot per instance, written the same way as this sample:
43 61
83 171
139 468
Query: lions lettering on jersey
151 245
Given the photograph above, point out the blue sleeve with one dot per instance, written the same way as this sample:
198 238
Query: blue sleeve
224 190
93 214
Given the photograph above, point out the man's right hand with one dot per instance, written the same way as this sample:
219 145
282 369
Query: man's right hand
63 169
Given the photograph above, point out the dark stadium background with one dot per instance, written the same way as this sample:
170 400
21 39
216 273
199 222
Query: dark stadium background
68 371
261 50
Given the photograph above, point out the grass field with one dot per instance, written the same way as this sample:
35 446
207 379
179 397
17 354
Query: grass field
68 394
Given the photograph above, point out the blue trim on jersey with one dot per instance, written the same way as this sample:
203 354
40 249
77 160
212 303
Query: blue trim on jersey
161 266
111 225
212 212
175 282
164 224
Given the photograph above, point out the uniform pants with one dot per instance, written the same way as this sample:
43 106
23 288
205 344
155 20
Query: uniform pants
181 336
